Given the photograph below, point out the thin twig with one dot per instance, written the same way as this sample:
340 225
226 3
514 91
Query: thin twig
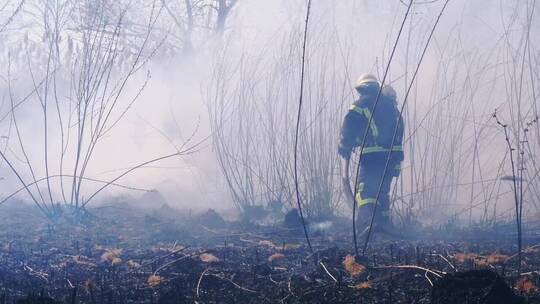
170 263
428 279
290 287
434 272
162 257
526 250
200 280
296 186
328 272
446 260
231 281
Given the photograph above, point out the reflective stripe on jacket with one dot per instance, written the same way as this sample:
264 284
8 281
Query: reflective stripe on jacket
374 133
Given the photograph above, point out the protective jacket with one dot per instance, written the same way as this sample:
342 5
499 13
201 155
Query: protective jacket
380 139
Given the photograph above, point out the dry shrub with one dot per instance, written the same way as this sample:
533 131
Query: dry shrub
111 254
353 268
267 243
116 261
272 245
275 257
363 285
525 286
82 260
532 249
481 262
208 258
496 258
465 257
168 248
133 264
291 246
154 280
79 259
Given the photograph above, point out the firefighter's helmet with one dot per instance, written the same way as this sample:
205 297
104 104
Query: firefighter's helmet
366 80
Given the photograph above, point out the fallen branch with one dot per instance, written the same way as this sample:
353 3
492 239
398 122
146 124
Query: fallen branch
526 250
161 257
68 175
200 280
42 275
235 285
171 262
446 260
428 279
328 272
437 273
289 287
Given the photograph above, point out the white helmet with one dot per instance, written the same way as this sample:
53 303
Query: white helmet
366 79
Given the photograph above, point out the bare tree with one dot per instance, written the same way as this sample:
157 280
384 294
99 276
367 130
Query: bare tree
82 98
197 21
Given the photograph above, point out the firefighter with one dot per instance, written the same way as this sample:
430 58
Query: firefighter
377 114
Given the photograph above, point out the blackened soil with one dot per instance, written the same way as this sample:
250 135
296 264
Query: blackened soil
473 286
126 256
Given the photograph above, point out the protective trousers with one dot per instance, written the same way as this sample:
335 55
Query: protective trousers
369 182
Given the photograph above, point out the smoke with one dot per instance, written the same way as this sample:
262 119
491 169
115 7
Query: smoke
470 70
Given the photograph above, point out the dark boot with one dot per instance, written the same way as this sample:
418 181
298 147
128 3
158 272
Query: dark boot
365 213
387 228
363 218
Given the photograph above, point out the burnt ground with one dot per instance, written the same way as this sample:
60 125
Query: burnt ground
121 255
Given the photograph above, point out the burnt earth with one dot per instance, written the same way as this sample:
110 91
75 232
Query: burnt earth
123 255
473 286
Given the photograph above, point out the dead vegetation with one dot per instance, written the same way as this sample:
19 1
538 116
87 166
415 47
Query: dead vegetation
121 259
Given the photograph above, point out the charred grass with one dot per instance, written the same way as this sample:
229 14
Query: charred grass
125 256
